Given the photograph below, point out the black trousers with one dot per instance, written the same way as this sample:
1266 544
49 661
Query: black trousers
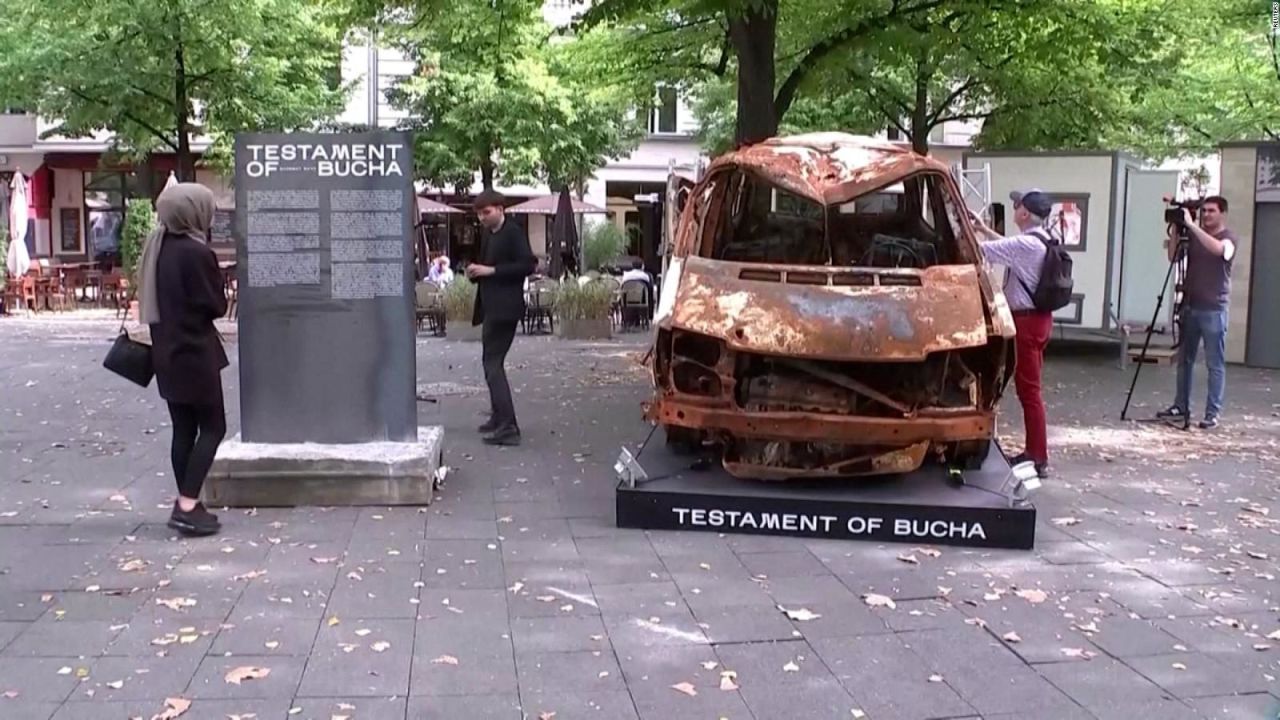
496 338
197 432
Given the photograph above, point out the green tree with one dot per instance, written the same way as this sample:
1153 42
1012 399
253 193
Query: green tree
492 95
139 219
157 74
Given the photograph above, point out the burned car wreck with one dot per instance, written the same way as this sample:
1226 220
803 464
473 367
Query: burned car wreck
825 312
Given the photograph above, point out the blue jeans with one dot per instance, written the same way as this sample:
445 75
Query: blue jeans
1209 326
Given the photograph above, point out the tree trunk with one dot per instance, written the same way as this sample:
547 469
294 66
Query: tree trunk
487 172
920 125
182 107
754 35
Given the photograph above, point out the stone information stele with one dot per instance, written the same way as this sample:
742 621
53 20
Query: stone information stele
324 232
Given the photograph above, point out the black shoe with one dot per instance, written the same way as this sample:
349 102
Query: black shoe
488 427
505 437
1172 413
1208 423
198 522
1042 469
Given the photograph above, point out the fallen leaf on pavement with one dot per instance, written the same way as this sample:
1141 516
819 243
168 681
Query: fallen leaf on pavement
1179 666
445 660
1077 653
271 644
173 708
547 716
976 621
727 680
875 600
1011 637
935 678
253 575
1035 597
685 688
381 646
116 685
1089 627
240 674
1261 647
909 559
801 615
791 666
133 565
334 621
857 714
1274 636
516 588
362 632
1065 521
927 552
10 694
176 604
324 560
710 665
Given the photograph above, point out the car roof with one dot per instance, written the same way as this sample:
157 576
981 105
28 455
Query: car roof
829 168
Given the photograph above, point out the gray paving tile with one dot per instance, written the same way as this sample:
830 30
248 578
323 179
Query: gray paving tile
557 551
474 674
164 636
558 673
1124 637
355 708
775 565
20 709
921 615
1256 705
210 681
815 698
465 564
9 631
265 635
383 591
67 638
734 624
761 664
138 678
346 661
1201 675
21 605
39 679
710 702
98 605
1166 708
887 678
669 627
451 528
1101 684
472 707
598 703
558 634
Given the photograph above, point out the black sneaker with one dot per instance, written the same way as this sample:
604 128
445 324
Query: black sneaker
487 427
505 437
1172 413
1042 469
1208 423
198 522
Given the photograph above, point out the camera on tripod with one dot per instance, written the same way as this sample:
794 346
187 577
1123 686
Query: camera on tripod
1173 213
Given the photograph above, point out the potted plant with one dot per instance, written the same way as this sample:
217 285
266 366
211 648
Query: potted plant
459 304
584 310
602 243
139 219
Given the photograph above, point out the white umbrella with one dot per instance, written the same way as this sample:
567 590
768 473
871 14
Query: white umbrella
173 180
19 261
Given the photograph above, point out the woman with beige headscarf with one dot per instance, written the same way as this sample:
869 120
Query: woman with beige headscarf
180 294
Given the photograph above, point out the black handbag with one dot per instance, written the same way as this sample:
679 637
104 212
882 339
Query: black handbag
130 359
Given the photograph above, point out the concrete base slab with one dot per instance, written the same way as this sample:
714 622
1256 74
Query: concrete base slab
295 474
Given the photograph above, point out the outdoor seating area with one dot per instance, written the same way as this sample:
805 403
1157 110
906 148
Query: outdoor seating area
62 288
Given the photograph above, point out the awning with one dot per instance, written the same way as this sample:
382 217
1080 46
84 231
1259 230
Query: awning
547 205
428 206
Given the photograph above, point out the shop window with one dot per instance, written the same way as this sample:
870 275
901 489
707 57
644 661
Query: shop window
106 193
663 118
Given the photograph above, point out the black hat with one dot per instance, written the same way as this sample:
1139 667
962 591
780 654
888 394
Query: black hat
1034 200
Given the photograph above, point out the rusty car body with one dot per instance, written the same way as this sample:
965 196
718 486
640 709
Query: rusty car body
825 312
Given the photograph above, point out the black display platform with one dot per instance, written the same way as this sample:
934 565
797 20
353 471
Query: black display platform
920 507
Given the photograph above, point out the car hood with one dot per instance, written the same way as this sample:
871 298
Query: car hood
827 313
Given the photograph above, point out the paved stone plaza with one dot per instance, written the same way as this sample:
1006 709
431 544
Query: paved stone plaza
1151 593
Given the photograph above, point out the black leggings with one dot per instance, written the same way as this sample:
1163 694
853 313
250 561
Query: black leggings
197 432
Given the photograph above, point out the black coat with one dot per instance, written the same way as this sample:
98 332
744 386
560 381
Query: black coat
185 347
500 296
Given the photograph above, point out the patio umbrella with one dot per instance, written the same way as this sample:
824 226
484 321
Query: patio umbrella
19 260
550 205
170 181
564 234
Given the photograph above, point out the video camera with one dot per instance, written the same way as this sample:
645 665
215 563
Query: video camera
1173 213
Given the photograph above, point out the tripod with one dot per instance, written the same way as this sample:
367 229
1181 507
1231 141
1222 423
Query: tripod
1178 254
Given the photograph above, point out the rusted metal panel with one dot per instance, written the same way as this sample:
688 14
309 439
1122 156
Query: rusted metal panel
806 426
835 323
902 460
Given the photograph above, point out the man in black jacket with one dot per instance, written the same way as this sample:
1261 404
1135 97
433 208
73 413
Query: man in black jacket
506 260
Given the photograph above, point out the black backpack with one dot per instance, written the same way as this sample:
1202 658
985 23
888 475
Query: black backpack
1054 290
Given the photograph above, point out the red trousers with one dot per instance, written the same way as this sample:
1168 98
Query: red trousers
1034 329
